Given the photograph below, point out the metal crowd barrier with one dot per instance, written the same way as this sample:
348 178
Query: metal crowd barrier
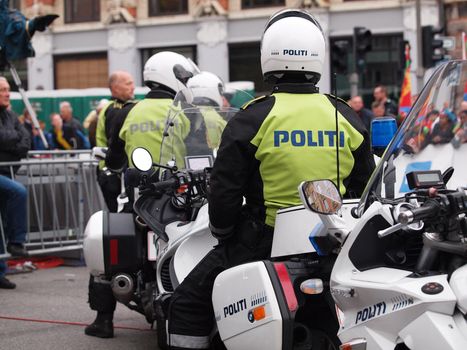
62 194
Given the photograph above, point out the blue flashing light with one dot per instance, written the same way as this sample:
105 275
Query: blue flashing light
382 131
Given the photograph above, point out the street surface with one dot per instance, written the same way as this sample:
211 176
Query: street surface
59 297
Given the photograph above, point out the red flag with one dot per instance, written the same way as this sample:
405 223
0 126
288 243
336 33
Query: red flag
405 100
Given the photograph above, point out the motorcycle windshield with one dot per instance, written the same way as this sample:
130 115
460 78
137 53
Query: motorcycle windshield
194 126
433 136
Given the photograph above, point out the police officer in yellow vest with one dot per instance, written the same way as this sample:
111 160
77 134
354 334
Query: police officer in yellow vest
122 87
101 298
165 73
132 126
207 92
267 149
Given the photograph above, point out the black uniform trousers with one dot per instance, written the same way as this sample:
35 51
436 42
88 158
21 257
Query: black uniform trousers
191 315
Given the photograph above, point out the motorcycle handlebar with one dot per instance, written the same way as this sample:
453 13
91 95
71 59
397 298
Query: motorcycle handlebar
450 204
163 185
428 209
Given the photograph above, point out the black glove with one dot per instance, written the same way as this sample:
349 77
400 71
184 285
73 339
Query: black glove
40 23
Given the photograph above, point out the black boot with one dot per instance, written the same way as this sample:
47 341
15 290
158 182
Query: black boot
102 326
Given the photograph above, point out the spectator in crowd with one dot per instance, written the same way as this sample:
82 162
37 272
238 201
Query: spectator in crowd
64 136
377 108
66 112
37 143
26 120
364 113
90 122
14 145
380 95
460 130
463 106
442 131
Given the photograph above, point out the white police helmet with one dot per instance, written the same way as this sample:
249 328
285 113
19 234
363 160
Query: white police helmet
169 69
207 88
293 42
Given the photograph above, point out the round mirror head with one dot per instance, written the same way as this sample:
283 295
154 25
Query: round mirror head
141 159
321 196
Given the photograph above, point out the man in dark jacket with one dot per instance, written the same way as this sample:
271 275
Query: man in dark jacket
15 141
14 145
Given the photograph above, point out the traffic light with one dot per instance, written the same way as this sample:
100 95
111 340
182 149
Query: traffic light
362 44
432 47
339 51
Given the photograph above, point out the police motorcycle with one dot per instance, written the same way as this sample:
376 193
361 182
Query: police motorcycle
144 254
400 279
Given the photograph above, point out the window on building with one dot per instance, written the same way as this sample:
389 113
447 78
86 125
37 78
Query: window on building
383 66
81 71
245 64
187 51
167 7
77 11
15 4
462 8
246 4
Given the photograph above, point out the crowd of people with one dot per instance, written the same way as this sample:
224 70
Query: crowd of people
66 130
438 127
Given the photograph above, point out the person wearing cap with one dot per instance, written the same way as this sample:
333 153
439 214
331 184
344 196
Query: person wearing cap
267 149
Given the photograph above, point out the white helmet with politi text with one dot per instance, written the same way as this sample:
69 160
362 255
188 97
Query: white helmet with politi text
293 44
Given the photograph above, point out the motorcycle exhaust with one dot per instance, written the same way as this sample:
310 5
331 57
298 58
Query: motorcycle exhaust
301 337
122 286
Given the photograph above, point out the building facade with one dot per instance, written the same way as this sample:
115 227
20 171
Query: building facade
94 37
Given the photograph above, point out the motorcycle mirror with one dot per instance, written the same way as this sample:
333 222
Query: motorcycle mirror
320 196
141 159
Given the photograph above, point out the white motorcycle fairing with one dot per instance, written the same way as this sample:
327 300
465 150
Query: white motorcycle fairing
418 319
188 243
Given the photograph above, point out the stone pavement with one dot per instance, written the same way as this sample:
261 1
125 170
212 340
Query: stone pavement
58 296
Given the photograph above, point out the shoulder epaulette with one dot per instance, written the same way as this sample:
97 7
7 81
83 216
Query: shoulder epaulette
253 101
338 98
130 102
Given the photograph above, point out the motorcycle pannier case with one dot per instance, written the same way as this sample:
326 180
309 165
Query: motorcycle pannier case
112 244
247 308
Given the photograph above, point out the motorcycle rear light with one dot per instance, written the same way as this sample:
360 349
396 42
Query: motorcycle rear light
114 252
287 286
312 286
259 313
354 344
